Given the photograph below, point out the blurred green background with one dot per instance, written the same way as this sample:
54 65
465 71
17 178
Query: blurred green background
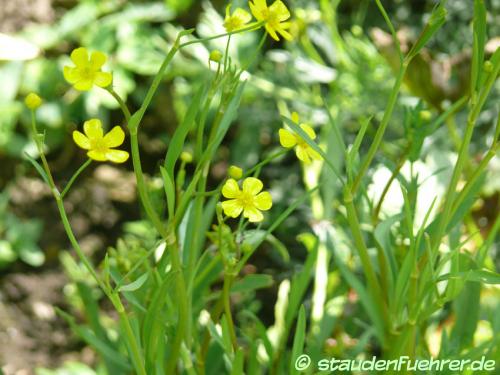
345 63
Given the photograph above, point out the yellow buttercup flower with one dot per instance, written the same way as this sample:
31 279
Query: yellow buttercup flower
290 139
100 146
237 20
32 101
274 17
250 200
87 71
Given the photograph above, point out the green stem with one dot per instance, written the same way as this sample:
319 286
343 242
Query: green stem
75 176
372 280
251 27
83 258
182 300
141 186
382 127
463 156
121 103
264 162
387 186
226 291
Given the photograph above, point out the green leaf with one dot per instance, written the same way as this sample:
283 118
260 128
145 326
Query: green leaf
382 235
298 340
479 35
101 347
466 307
134 285
364 297
177 142
238 362
484 276
437 19
169 186
153 326
38 167
251 283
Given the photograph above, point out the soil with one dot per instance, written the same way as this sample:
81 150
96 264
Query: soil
32 334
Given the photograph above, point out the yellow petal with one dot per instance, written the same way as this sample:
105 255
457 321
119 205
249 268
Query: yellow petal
71 74
81 140
285 34
80 56
117 156
287 139
302 154
257 7
253 214
115 137
232 208
252 185
242 15
231 189
313 154
263 201
103 79
83 85
93 129
97 155
295 117
272 32
280 10
97 60
308 130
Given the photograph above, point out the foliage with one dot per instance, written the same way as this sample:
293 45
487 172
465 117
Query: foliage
372 246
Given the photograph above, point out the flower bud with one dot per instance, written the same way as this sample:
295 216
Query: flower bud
186 157
235 172
33 101
488 66
425 115
215 55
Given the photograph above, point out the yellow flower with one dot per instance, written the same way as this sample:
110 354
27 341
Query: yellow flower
87 71
100 146
274 17
32 101
290 139
237 20
249 200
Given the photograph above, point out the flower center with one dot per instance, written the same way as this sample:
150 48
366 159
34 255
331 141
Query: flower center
272 18
246 199
98 145
87 73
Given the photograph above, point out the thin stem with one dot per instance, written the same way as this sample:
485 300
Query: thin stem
141 186
228 278
39 146
251 27
121 103
83 258
183 307
264 162
254 55
372 280
75 176
226 55
387 186
382 127
463 156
